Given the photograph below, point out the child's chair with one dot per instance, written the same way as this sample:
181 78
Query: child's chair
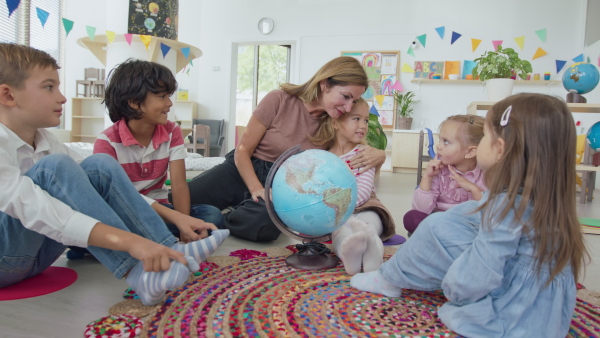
424 158
200 139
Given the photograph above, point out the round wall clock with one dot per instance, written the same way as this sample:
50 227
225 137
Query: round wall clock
265 25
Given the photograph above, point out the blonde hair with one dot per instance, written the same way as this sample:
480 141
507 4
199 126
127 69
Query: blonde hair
325 134
341 71
16 62
539 164
471 128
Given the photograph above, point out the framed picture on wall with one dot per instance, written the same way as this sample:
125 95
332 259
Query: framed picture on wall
154 17
383 71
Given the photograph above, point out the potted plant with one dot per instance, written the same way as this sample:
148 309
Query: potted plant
376 137
405 104
498 69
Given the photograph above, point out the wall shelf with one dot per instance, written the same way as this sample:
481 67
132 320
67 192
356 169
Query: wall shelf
574 107
517 82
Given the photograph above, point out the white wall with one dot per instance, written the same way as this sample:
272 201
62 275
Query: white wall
321 29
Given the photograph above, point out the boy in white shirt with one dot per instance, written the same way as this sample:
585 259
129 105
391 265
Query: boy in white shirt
49 200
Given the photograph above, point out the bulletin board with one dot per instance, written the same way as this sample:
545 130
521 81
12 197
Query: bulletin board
383 70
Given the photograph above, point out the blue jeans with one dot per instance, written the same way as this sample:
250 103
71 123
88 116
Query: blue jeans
205 212
97 187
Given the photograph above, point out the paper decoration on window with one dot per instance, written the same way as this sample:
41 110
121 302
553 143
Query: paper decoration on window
520 41
410 51
42 15
185 51
128 38
91 32
468 66
146 40
441 31
164 49
578 58
373 110
398 86
68 25
422 39
561 63
12 5
451 67
110 36
496 43
475 43
426 69
455 36
541 33
539 53
407 69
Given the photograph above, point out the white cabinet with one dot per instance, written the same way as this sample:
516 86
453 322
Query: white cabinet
87 118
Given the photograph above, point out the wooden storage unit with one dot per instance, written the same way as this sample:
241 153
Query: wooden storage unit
87 119
185 112
405 149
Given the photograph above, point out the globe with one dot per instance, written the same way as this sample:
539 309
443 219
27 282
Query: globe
313 192
593 136
580 78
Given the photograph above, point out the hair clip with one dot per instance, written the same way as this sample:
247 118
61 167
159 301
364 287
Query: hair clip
471 120
505 116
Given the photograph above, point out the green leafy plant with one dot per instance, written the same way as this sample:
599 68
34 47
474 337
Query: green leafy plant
501 64
376 137
405 103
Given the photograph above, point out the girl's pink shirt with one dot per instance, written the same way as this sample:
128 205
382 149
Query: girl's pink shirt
445 192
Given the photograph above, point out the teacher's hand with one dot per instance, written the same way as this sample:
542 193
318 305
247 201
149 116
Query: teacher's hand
366 158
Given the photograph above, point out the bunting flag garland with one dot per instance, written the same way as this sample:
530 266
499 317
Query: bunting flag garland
588 59
520 41
12 5
146 40
398 86
91 32
192 63
578 58
560 64
455 36
475 43
42 15
379 99
541 34
422 39
186 51
164 49
128 38
407 69
110 36
441 31
411 51
373 110
539 53
496 43
598 61
68 25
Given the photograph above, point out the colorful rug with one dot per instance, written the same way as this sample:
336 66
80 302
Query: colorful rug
254 293
51 280
590 225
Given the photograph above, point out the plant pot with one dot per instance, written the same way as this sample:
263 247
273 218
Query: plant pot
499 89
403 122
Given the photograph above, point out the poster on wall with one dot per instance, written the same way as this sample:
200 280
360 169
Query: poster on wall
156 18
382 69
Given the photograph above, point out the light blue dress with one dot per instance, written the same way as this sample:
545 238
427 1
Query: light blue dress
489 277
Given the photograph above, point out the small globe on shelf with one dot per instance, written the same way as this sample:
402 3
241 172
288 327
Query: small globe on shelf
593 136
313 193
580 78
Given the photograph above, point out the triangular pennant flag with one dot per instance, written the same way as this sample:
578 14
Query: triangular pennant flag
373 110
91 32
68 25
379 99
188 72
164 49
520 41
42 15
410 51
496 43
397 86
407 69
128 38
541 34
475 43
455 36
578 58
186 51
422 39
110 36
539 53
441 31
146 40
192 63
598 61
560 64
588 59
12 6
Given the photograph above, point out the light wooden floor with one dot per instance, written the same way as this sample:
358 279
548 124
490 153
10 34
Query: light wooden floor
65 313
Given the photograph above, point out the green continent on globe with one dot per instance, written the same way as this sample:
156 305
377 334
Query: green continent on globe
297 178
339 200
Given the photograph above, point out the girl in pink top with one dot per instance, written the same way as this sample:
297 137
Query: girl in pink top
453 176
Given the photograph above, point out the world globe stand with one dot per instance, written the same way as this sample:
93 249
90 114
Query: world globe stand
574 97
312 254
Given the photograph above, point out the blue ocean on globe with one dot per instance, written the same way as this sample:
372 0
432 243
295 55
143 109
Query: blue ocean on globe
581 78
593 136
314 192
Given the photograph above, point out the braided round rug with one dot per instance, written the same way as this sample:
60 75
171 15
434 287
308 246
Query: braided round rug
255 294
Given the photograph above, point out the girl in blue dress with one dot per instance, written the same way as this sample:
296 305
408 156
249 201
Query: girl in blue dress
508 264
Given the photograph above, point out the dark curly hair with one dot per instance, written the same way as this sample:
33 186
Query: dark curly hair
130 82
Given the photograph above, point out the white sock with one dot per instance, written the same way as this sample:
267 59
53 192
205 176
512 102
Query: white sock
203 248
151 286
350 251
373 256
375 283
